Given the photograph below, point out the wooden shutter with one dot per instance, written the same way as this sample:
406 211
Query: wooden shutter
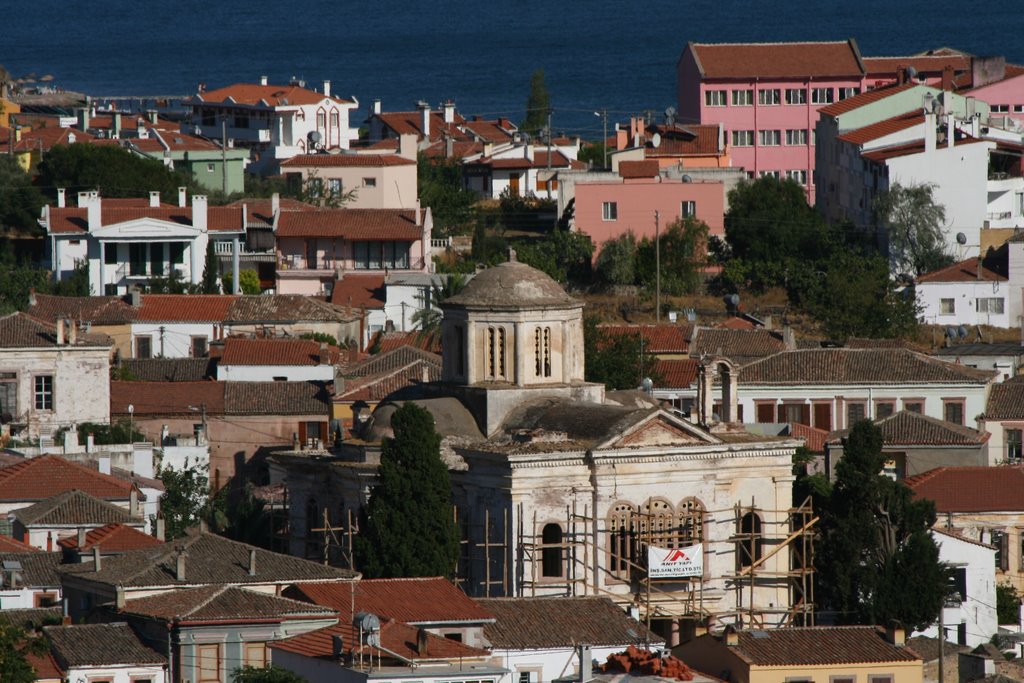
324 432
823 416
781 413
805 415
302 432
1004 551
764 412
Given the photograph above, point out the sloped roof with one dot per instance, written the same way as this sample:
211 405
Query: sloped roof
778 60
359 291
20 331
9 544
818 646
814 438
539 623
99 645
680 140
222 603
72 508
48 475
352 224
916 147
964 271
858 366
971 489
284 308
381 385
38 570
111 538
272 351
346 160
76 219
427 600
392 359
96 309
210 559
168 369
269 95
185 307
166 398
1006 400
276 398
31 617
866 97
675 373
664 338
389 341
907 428
737 345
45 666
864 135
512 285
410 122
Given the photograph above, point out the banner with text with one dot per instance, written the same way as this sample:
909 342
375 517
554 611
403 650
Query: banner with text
670 563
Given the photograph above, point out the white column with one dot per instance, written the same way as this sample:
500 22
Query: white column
193 261
235 285
518 351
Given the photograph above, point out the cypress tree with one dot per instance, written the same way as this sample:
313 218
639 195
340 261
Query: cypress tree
537 104
407 528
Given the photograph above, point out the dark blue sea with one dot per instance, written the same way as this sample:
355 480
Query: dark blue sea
596 54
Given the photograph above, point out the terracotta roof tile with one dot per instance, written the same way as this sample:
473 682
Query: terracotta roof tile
971 489
778 60
866 97
45 666
285 308
537 623
292 352
99 645
20 330
639 169
819 646
112 538
389 341
47 475
31 617
907 428
276 398
964 271
13 545
737 345
352 224
75 220
97 309
410 600
684 141
72 508
165 398
490 131
359 291
1006 400
168 369
675 373
392 359
666 338
185 307
409 122
222 603
346 160
379 386
860 136
858 366
270 95
38 570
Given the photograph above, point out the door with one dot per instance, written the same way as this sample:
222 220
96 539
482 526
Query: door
513 184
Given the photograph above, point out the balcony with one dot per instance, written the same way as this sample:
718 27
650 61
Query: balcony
223 249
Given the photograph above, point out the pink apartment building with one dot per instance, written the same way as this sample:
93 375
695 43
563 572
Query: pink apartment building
606 210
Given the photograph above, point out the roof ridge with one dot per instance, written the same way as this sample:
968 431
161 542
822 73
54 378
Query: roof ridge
217 592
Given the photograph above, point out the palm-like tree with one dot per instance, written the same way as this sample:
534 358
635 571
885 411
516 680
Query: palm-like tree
428 319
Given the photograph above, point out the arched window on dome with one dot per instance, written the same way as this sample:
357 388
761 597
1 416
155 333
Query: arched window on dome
542 351
495 341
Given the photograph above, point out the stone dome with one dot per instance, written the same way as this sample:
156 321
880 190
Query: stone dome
512 285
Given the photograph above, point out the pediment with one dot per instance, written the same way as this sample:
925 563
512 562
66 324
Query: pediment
141 228
661 429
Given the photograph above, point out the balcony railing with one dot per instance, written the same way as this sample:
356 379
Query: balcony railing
999 215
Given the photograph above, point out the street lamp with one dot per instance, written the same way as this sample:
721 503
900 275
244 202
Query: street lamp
604 141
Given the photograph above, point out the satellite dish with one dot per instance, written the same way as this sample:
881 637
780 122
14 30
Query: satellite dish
961 331
647 385
687 179
961 238
911 72
671 111
656 140
951 332
670 116
315 137
734 299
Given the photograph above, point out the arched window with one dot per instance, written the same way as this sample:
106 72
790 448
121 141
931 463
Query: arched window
657 522
621 540
551 553
495 341
750 540
542 351
690 521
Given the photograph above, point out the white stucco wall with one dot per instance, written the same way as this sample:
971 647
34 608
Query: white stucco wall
269 373
173 340
965 296
548 664
119 674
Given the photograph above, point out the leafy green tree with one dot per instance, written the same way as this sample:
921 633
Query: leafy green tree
616 360
564 255
112 170
321 337
914 222
683 255
268 674
770 220
15 644
876 560
248 282
616 262
211 271
440 186
173 283
538 103
593 153
20 201
77 284
186 500
244 517
1007 603
428 319
17 280
119 432
407 528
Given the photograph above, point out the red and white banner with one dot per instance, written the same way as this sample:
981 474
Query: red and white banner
670 563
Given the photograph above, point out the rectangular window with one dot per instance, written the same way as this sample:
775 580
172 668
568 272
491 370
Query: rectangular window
771 174
842 679
855 412
375 255
210 168
256 655
769 96
177 253
947 306
44 392
199 347
1001 540
334 186
822 95
687 209
714 98
847 93
110 254
1014 447
796 137
8 396
369 182
209 663
913 406
884 409
799 175
823 416
610 211
144 347
136 259
743 138
240 121
770 138
883 678
765 412
953 411
796 96
1000 108
156 259
742 98
991 305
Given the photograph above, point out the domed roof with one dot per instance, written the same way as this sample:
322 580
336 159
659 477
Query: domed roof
512 285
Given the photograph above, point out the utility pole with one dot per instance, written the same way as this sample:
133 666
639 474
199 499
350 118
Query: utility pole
549 153
657 266
224 156
604 141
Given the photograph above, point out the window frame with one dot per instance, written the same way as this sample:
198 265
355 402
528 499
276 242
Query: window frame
988 301
747 136
1013 455
863 405
769 97
796 96
742 97
610 211
688 208
958 403
947 306
716 98
774 134
148 339
825 95
799 133
45 395
908 404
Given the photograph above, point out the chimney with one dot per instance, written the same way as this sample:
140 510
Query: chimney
133 502
337 646
586 662
732 636
182 197
160 528
979 267
947 77
929 132
115 126
199 212
154 198
32 297
528 151
90 442
275 204
263 80
407 146
449 111
65 612
83 119
94 213
72 330
104 464
419 218
119 597
327 88
424 119
179 565
81 537
950 130
376 106
153 118
621 138
901 75
788 338
421 642
252 562
895 634
488 149
135 298
97 560
60 332
83 200
61 198
449 147
324 359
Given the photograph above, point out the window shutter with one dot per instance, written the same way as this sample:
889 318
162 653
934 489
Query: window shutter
805 415
323 432
764 412
302 433
823 416
781 413
1004 551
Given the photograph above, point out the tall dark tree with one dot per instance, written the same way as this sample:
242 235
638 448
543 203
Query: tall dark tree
439 186
15 644
565 255
876 560
20 201
914 221
114 171
407 528
211 271
537 104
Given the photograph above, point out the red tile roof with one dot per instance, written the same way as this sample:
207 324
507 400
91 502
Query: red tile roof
965 271
185 307
268 95
639 169
9 544
389 341
860 136
736 323
491 131
352 224
814 438
165 398
1006 400
907 428
558 622
408 122
48 475
737 345
685 141
926 65
376 387
831 367
45 666
347 160
817 646
411 600
359 291
971 489
910 148
75 220
112 538
867 97
675 373
49 137
664 338
777 60
220 603
276 352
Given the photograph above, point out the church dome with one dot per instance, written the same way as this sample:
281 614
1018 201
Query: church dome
512 285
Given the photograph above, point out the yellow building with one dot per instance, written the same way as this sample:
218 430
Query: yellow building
816 654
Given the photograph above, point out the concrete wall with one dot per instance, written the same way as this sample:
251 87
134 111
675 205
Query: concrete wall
392 187
270 373
977 611
173 340
965 297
